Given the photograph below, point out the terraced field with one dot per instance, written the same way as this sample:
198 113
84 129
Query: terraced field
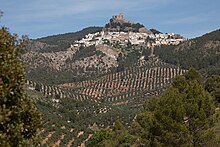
98 102
57 131
70 122
126 85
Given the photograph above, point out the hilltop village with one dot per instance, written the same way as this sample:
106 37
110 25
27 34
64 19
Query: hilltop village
121 31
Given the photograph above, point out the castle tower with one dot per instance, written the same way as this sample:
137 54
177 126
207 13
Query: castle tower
121 16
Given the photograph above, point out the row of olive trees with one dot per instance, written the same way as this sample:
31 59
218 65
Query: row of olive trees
185 115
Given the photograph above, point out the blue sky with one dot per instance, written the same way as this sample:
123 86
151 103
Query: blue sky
39 18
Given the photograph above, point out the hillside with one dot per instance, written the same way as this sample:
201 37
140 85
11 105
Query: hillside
202 53
87 80
62 41
71 109
61 66
91 52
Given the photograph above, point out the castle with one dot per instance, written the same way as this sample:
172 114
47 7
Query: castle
120 18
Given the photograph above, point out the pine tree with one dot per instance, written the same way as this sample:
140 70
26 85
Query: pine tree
212 85
164 125
19 118
184 116
117 136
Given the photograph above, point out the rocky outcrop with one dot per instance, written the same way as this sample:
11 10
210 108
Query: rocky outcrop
108 50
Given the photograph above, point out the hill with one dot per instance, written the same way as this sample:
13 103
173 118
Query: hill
91 52
67 66
63 41
87 80
71 109
202 53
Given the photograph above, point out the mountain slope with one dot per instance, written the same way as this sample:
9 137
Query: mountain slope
91 52
71 108
63 41
99 84
67 66
202 53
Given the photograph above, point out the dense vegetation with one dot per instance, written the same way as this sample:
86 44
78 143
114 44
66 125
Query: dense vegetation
212 85
124 27
70 116
101 101
184 115
202 53
84 52
19 119
132 55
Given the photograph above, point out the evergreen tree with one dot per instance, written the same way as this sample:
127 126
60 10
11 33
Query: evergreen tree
99 138
19 118
117 136
184 116
212 85
163 124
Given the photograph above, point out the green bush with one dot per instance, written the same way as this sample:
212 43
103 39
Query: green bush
19 119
